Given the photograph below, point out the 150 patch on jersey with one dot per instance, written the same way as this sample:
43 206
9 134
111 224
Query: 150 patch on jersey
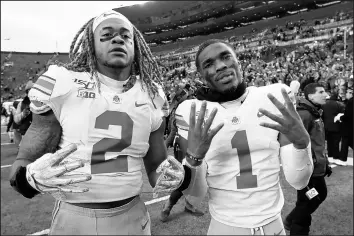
85 84
86 94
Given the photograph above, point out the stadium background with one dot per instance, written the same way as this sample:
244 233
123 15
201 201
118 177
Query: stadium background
173 30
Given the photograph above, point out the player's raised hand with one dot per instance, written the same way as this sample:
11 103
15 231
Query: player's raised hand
289 123
46 173
199 135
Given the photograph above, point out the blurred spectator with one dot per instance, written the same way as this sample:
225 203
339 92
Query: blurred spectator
299 219
346 129
295 86
330 110
15 126
10 121
23 115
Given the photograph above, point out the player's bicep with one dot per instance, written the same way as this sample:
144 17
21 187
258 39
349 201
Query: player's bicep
43 136
157 152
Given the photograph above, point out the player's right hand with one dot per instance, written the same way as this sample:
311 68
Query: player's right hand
199 134
46 173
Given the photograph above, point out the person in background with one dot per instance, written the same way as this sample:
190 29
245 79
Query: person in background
23 115
295 86
10 121
298 221
330 110
15 126
346 127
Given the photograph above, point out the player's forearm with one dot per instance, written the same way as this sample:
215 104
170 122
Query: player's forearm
152 162
297 165
195 185
43 136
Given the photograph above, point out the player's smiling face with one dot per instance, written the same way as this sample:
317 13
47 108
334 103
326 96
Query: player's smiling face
219 67
114 43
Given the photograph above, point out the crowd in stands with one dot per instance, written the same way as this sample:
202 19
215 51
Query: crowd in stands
262 60
13 87
321 61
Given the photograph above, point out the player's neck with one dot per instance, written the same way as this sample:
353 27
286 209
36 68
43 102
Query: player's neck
215 96
118 74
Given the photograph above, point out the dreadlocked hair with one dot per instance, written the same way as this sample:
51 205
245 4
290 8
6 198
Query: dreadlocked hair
82 59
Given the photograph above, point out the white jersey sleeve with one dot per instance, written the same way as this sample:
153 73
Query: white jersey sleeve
182 118
161 109
54 83
297 164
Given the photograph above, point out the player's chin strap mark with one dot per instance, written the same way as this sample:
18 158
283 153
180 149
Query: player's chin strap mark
214 96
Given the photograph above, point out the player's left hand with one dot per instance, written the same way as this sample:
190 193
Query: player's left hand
289 123
171 177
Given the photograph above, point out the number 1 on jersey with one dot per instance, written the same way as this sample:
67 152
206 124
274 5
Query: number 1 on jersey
246 178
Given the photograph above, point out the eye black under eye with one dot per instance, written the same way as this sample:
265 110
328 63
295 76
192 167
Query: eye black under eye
107 34
206 65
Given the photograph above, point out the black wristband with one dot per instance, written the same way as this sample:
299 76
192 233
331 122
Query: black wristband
187 178
193 157
20 184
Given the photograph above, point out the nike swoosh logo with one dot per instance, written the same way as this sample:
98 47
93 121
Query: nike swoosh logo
144 226
139 105
279 232
259 115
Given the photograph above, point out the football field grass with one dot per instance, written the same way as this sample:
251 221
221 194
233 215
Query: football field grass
21 216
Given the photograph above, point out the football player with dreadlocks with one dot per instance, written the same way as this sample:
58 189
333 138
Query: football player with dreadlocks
241 167
104 110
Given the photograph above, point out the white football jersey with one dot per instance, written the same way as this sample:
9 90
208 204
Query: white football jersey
243 160
111 130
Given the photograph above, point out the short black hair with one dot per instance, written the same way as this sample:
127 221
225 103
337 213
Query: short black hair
187 86
15 104
311 89
206 44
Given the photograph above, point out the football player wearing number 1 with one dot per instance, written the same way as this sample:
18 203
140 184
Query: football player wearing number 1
241 169
104 109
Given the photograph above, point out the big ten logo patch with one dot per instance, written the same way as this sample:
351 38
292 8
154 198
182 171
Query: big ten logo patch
86 94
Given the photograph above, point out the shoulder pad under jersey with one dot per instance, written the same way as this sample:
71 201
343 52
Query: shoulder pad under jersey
55 82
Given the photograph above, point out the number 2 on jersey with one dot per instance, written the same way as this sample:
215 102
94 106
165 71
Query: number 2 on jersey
246 178
120 164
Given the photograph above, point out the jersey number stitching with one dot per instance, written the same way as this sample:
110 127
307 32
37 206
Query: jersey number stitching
120 164
246 178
